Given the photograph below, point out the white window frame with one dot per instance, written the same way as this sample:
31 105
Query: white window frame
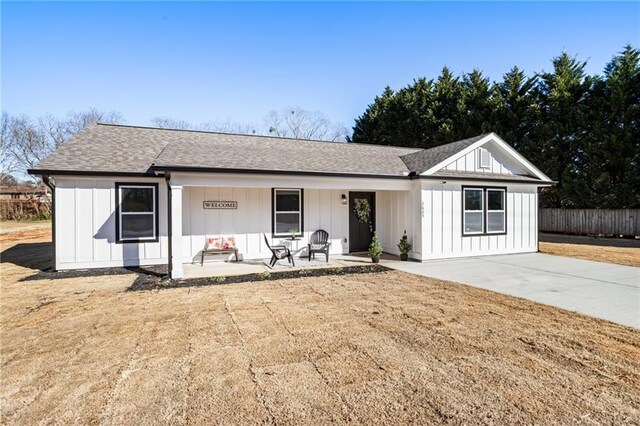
154 188
481 211
276 212
503 211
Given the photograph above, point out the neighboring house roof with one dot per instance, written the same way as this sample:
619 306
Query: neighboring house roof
22 189
121 149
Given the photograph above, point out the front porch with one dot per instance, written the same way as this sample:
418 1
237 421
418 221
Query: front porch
259 211
226 268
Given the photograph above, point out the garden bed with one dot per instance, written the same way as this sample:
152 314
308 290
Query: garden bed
157 281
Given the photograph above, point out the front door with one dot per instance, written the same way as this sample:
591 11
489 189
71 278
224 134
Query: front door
362 219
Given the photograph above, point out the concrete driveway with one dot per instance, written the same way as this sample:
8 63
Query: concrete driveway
602 290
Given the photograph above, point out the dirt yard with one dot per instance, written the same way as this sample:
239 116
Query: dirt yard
608 250
377 348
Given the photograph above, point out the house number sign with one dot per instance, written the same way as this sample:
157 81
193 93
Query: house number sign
224 205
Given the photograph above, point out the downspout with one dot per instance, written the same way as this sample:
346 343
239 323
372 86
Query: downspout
167 179
51 184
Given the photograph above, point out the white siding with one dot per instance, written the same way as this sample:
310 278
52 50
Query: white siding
501 162
323 209
85 226
442 223
397 211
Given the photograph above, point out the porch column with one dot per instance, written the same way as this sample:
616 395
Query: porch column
176 231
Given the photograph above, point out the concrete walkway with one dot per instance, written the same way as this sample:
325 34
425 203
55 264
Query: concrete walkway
602 290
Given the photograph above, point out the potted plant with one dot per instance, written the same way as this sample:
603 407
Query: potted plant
404 246
375 249
293 232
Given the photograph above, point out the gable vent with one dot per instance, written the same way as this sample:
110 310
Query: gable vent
484 159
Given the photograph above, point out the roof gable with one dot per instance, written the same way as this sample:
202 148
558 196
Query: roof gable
425 159
504 160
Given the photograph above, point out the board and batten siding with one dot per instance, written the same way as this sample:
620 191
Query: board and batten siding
323 209
442 223
499 161
85 226
397 211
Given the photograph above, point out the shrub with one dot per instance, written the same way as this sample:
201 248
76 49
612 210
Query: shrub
304 272
24 210
404 245
375 248
264 275
219 280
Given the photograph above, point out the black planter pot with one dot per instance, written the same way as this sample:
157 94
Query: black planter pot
404 257
375 259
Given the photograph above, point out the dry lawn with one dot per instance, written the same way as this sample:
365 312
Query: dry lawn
608 250
376 348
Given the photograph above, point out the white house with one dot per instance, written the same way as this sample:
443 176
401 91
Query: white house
126 195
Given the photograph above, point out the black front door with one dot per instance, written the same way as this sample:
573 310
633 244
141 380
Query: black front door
362 219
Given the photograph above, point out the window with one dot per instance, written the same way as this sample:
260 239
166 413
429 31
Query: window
287 212
473 211
495 211
484 211
136 212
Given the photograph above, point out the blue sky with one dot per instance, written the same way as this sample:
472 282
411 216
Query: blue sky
237 61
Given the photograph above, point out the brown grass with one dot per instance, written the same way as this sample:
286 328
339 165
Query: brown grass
629 256
378 348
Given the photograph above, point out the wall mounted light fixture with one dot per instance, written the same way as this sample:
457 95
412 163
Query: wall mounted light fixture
344 199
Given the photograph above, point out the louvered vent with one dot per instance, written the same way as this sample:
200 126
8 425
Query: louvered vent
485 159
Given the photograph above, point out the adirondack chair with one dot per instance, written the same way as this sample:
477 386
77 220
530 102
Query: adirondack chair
278 252
319 243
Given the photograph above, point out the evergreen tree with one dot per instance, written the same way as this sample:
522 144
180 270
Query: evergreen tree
582 131
614 152
480 104
516 108
561 128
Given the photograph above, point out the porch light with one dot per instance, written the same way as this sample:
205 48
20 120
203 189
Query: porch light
344 199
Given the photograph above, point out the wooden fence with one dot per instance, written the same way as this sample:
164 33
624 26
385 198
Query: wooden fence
590 221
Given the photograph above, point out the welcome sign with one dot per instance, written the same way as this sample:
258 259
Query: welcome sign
224 205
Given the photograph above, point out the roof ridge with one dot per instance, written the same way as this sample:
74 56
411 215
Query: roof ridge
254 135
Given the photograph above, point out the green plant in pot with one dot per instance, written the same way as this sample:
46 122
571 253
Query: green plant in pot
293 232
404 246
375 249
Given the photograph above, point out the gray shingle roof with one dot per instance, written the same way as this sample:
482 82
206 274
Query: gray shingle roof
128 149
423 160
108 148
247 152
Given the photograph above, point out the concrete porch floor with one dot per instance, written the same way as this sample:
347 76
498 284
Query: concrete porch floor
220 268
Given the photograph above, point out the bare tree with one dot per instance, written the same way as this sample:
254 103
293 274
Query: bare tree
7 160
26 142
227 126
171 123
302 124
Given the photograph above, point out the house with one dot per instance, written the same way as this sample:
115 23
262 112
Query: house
126 195
24 191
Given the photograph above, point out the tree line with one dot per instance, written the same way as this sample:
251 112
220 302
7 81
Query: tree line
581 130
